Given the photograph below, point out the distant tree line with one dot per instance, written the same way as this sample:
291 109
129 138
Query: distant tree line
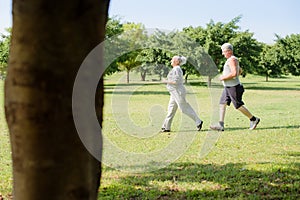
153 51
150 53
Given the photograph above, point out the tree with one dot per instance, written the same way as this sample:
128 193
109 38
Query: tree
213 36
4 51
289 53
113 28
153 61
163 46
155 58
248 50
131 41
127 62
199 62
269 65
50 40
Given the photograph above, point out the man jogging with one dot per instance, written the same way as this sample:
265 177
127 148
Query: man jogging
233 89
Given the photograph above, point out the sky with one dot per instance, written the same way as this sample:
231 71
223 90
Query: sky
264 18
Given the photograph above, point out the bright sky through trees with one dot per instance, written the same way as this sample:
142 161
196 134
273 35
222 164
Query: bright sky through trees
263 18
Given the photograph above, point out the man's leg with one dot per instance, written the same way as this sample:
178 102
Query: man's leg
222 112
220 126
245 111
239 105
253 120
224 101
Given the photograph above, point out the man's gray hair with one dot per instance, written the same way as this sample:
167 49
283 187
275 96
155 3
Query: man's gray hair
227 46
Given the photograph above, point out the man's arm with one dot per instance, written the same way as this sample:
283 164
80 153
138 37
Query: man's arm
233 63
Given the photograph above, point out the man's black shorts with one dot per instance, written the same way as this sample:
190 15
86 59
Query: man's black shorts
233 94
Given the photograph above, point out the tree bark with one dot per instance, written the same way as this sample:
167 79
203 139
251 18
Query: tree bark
143 75
267 77
50 39
127 76
209 81
186 78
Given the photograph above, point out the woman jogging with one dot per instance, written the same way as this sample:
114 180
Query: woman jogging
177 99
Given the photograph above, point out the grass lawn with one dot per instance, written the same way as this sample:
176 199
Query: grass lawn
5 151
141 163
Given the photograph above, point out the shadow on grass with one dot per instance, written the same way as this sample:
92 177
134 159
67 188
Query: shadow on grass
255 86
262 128
227 129
291 155
209 181
109 88
132 84
137 92
130 88
192 82
273 88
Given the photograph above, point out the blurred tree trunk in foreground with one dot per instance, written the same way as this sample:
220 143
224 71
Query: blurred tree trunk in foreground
50 39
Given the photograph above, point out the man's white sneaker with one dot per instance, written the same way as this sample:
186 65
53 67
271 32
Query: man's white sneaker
253 124
217 127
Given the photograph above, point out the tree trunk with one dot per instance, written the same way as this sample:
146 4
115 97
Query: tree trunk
127 76
50 40
143 75
209 81
186 78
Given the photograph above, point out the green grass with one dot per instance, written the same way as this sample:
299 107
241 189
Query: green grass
5 151
243 164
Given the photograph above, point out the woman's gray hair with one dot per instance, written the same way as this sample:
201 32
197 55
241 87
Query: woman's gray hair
182 60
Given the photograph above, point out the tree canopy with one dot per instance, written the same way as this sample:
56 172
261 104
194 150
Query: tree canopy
151 52
4 52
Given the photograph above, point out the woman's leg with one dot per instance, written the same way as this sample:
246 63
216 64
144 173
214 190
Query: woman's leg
172 108
186 108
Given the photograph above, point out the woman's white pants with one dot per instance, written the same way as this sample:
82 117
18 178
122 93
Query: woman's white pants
177 99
